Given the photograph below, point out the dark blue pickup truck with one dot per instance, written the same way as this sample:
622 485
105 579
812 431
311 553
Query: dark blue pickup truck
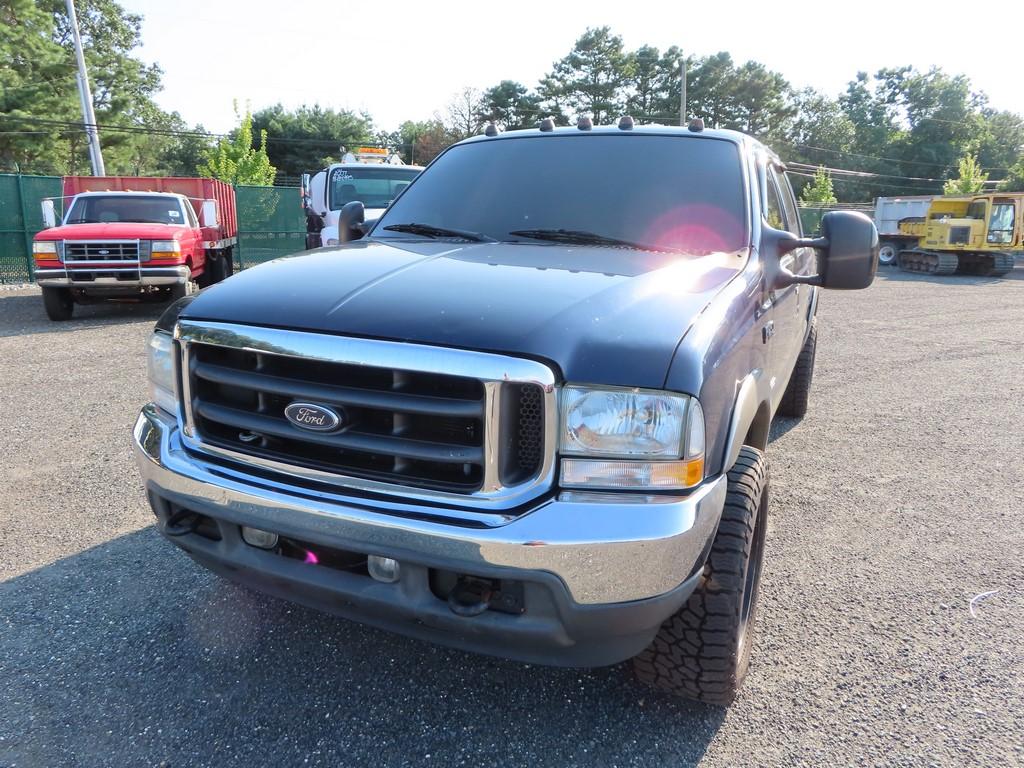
523 413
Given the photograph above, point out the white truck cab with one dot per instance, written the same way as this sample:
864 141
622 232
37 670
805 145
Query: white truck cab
370 175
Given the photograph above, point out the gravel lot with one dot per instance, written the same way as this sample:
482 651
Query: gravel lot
895 501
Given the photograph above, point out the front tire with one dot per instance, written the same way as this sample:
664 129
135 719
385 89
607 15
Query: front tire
702 651
58 303
798 391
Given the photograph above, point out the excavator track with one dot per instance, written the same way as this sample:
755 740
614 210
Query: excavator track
1002 263
928 262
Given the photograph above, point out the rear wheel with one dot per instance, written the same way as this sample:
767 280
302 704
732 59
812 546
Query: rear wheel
703 651
888 252
798 391
58 303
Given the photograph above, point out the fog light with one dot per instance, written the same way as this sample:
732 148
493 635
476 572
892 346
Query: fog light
254 537
383 568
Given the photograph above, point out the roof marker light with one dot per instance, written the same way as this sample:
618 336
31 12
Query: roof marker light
585 123
696 125
547 124
491 130
626 123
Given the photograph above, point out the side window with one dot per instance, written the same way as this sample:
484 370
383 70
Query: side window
788 202
191 214
772 205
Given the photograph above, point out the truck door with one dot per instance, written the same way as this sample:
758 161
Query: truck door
789 305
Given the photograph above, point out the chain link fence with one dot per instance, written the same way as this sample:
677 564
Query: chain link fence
270 222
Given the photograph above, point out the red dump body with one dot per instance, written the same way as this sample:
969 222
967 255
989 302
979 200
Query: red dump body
196 190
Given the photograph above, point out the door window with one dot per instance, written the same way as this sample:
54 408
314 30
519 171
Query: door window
788 202
1000 226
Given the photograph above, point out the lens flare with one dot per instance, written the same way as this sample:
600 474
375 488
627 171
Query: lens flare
311 558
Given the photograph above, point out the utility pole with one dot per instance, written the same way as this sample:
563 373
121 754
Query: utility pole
682 90
88 115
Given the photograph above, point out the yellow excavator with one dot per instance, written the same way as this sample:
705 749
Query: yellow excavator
977 235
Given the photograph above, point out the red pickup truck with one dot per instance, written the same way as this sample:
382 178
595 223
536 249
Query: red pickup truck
134 238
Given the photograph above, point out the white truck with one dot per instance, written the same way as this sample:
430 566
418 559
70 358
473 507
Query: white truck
370 175
889 212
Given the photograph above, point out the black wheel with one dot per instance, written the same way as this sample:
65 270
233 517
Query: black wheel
703 651
180 290
888 252
58 303
794 399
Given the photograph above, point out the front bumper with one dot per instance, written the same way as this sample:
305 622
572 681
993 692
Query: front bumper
599 576
105 278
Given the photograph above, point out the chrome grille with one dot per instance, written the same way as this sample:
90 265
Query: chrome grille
112 250
413 417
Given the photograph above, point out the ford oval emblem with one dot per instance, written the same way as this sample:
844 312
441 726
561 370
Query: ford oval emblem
317 418
104 251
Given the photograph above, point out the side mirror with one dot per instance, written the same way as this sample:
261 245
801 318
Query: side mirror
350 222
304 189
847 253
49 214
208 213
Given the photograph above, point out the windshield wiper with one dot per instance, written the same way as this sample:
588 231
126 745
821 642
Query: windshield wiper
429 230
579 237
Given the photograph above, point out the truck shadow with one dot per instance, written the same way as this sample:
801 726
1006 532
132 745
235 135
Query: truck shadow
128 653
22 313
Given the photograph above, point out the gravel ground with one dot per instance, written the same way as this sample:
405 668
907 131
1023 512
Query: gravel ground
895 501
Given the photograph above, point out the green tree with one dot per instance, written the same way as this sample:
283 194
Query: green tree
653 85
510 106
234 159
819 191
590 79
1014 181
970 181
39 103
307 138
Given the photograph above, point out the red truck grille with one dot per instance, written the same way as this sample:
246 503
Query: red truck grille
113 250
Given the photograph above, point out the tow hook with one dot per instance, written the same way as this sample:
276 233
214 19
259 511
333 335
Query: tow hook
180 523
470 597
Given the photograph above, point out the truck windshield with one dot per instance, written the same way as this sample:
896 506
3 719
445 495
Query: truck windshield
375 186
674 193
151 209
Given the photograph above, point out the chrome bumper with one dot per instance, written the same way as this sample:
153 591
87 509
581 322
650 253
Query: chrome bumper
604 551
133 277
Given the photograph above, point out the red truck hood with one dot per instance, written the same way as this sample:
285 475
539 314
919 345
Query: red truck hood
125 230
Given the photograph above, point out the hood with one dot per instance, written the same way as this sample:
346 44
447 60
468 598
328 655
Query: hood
601 315
115 230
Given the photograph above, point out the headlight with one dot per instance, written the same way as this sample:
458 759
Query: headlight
644 439
166 249
160 366
44 248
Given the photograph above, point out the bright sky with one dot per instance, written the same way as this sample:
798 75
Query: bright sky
408 59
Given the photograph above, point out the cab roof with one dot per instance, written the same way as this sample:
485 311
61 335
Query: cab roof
736 137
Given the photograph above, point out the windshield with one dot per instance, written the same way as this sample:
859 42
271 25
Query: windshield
1000 226
152 209
375 186
668 192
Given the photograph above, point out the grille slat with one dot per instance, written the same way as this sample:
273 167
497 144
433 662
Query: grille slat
114 250
394 400
344 441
